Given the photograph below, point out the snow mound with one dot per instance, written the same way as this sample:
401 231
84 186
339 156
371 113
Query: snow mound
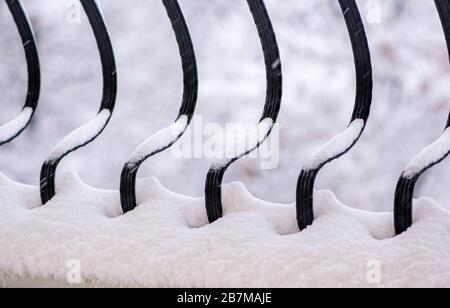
429 156
240 141
162 139
166 241
338 145
13 127
81 135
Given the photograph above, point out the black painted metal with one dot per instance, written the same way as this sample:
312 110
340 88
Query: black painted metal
363 101
95 16
213 192
190 94
29 44
443 7
404 194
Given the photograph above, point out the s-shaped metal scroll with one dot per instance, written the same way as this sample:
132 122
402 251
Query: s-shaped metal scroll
428 158
213 189
342 143
90 131
15 127
165 138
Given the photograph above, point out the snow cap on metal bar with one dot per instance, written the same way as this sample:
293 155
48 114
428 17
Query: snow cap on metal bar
342 143
213 192
15 127
165 138
90 131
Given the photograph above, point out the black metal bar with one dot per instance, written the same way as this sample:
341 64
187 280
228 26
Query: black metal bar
363 101
48 171
304 202
189 101
213 194
443 7
31 53
404 194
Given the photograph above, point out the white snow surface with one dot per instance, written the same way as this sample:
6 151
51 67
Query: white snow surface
428 156
337 145
160 140
81 135
166 241
10 129
241 140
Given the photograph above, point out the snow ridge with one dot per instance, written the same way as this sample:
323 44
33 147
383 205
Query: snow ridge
12 128
81 136
239 144
162 139
338 145
429 156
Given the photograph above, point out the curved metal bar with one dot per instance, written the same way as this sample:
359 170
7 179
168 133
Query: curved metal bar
428 158
90 131
165 138
342 143
14 128
213 192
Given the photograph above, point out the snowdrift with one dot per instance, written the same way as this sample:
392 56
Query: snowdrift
167 242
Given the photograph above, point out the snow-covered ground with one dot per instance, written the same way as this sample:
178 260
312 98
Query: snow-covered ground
411 93
167 242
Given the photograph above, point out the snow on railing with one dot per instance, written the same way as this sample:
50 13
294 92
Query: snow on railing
213 190
346 140
15 127
89 132
427 158
165 138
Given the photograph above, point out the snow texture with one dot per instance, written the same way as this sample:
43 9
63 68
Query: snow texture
429 156
12 128
166 241
81 135
160 140
238 142
338 145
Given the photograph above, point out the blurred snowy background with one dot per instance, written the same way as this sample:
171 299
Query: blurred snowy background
410 107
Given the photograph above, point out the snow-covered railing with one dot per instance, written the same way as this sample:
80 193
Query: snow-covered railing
427 158
165 138
213 189
90 131
346 140
15 127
